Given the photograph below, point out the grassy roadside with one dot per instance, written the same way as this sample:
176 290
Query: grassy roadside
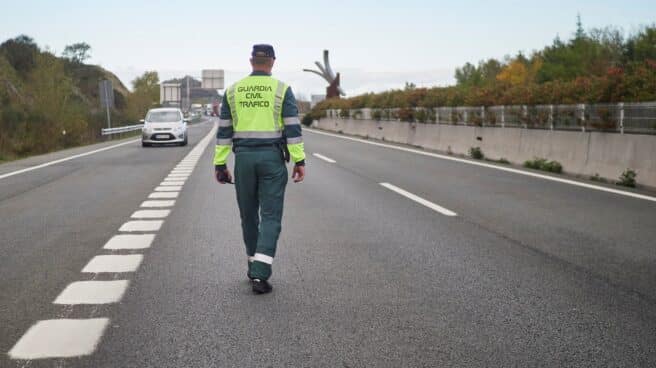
4 159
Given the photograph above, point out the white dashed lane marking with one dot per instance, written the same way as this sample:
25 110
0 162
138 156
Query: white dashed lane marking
114 263
491 166
322 157
169 188
141 225
172 182
158 204
163 195
130 241
60 338
93 292
422 201
151 214
64 338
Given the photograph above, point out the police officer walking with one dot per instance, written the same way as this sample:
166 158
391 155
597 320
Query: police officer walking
259 122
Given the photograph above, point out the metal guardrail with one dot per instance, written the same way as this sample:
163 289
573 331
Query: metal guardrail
639 118
123 129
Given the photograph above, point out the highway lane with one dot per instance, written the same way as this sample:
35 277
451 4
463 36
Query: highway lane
364 276
604 234
55 218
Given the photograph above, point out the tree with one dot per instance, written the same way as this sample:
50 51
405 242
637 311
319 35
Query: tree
147 83
21 53
515 73
77 52
642 46
468 76
580 33
145 93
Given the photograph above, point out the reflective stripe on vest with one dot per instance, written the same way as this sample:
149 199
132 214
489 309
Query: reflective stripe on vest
256 107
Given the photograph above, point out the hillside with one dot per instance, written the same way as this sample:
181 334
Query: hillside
49 102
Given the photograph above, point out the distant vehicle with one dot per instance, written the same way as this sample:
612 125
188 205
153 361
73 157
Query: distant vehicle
164 125
208 109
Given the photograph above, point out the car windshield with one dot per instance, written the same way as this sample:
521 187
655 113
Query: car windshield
163 117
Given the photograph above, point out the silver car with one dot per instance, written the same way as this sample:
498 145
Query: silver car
164 125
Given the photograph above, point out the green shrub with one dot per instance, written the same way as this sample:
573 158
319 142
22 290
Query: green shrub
503 161
628 178
476 153
554 167
544 165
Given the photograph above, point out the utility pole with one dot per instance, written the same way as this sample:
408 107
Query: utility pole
106 98
188 98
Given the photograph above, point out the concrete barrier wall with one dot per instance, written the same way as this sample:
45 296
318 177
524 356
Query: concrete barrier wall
580 153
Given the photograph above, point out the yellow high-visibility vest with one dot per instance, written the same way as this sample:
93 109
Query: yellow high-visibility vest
256 107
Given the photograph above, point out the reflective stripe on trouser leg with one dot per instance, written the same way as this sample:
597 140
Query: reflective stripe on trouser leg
259 257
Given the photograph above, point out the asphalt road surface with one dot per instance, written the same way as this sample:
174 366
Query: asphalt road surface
123 256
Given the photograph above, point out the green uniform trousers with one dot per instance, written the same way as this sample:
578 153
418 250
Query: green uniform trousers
260 180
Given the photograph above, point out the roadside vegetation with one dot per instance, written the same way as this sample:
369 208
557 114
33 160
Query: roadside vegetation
50 102
594 66
628 178
476 153
544 165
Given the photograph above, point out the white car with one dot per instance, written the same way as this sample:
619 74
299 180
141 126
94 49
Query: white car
164 125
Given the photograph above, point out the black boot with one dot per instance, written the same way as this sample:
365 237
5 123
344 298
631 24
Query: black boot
261 286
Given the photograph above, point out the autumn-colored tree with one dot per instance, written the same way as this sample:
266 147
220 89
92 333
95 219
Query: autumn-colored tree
594 66
145 94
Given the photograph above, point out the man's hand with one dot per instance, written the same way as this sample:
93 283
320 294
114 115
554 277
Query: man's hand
223 176
298 174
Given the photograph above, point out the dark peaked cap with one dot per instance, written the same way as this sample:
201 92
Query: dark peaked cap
263 50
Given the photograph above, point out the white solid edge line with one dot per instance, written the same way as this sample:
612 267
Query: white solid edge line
322 157
422 201
65 159
507 169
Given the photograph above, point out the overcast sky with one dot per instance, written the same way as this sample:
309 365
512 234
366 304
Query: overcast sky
376 45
